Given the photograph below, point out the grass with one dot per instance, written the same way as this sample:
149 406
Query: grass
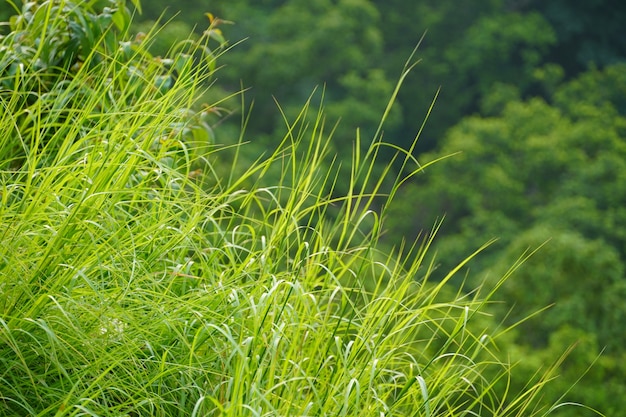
144 271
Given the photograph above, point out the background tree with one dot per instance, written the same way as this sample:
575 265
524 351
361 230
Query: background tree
539 172
587 31
339 52
468 49
358 47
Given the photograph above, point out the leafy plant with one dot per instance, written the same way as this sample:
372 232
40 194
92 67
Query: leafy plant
55 58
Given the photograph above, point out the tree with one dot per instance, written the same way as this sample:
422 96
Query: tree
297 46
589 33
539 172
468 49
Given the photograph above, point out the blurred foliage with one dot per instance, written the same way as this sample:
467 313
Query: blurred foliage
341 52
356 48
539 172
588 32
468 48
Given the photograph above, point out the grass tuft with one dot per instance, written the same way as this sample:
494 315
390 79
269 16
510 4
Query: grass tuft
141 274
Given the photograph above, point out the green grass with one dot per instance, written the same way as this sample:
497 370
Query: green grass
144 271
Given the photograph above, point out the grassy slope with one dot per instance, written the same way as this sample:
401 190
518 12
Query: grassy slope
145 272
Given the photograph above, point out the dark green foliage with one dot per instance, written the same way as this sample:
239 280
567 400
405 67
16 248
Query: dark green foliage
294 47
589 32
535 173
470 50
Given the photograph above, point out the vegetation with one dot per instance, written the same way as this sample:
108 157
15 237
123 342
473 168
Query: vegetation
538 171
531 94
145 271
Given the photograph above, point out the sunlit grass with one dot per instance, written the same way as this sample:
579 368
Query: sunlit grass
138 277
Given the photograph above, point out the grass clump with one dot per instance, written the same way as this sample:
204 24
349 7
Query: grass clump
138 277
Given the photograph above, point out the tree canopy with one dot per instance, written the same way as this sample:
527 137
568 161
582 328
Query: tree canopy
549 174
